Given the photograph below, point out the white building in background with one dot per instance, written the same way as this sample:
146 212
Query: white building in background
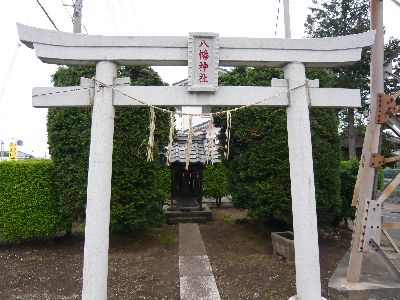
4 151
20 155
182 123
200 124
203 128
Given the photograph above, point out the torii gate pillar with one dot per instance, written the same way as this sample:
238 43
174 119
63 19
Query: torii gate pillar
95 263
302 186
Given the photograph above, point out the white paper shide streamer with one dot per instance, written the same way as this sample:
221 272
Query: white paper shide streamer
210 140
228 133
171 137
189 143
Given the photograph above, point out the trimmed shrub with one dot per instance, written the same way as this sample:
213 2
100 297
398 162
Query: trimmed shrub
163 182
348 176
27 203
68 131
326 159
135 199
259 179
215 182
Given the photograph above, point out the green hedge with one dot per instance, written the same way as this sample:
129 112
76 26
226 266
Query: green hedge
348 176
258 167
135 197
27 202
163 182
215 181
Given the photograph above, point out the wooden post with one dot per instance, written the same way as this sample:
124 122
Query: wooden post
95 266
364 190
302 187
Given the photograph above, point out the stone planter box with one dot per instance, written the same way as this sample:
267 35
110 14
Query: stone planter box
283 245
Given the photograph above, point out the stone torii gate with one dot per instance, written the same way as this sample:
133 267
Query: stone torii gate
293 92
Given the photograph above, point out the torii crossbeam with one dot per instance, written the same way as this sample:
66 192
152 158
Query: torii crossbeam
107 52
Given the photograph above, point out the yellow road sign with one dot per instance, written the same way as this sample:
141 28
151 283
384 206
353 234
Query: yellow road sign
12 151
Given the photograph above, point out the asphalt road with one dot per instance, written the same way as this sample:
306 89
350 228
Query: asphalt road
391 213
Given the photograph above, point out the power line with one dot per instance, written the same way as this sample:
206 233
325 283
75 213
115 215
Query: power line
277 16
9 70
135 16
48 16
111 16
123 14
14 57
396 2
84 27
65 7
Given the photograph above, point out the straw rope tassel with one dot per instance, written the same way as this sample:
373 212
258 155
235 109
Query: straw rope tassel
150 145
228 133
171 137
189 143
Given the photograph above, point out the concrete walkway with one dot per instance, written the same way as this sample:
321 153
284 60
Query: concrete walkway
197 281
375 283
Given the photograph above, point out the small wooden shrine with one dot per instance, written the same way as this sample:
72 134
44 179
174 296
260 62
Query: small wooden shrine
187 183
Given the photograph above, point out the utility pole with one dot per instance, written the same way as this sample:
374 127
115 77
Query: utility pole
77 16
286 13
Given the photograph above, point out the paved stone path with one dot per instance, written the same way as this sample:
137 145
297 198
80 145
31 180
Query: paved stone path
197 281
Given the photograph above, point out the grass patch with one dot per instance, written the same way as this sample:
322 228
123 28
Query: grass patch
169 238
78 228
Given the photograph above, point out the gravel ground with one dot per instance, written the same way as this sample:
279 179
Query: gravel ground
145 266
140 267
243 263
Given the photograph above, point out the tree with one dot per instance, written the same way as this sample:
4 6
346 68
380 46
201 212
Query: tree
392 84
258 168
215 182
134 203
344 17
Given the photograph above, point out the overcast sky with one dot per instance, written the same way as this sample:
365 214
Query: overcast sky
19 120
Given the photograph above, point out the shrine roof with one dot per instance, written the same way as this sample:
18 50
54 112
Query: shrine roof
198 151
